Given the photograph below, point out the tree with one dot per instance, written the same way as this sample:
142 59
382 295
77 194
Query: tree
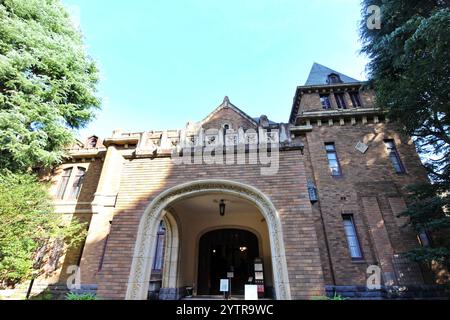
409 68
28 225
47 91
47 83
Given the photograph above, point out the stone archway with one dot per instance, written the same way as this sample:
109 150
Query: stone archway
144 248
171 261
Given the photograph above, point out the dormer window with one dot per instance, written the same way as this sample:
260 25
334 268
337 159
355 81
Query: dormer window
334 78
92 142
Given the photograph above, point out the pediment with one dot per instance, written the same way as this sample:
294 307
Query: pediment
229 115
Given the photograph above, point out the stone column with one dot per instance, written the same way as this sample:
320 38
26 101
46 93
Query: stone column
102 208
382 244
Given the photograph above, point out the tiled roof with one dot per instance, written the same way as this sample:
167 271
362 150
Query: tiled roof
319 75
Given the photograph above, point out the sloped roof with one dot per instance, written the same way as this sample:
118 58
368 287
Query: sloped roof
319 75
226 103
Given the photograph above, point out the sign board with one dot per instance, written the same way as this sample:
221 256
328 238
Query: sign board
361 147
223 285
251 292
258 267
259 275
230 274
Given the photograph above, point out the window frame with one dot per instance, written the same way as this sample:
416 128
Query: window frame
334 151
327 96
312 192
160 243
392 151
424 239
62 190
79 180
353 95
350 217
340 104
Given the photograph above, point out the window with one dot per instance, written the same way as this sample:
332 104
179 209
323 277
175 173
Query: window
159 252
325 100
352 237
312 191
424 239
356 101
333 161
225 127
340 100
77 183
394 156
63 183
92 142
334 78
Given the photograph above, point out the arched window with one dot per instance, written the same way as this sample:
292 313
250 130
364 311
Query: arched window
158 261
63 183
78 183
334 78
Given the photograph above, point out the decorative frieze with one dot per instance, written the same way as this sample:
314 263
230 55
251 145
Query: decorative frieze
151 143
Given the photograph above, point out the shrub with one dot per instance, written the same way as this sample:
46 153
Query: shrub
80 296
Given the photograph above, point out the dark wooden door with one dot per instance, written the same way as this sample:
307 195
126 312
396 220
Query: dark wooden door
224 250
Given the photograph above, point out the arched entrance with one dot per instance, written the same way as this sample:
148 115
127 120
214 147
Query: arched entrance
144 252
222 251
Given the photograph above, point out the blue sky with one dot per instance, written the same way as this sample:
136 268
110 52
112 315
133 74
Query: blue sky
164 63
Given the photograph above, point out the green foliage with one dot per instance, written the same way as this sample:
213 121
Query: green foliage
45 295
27 223
409 68
47 90
336 297
47 83
84 296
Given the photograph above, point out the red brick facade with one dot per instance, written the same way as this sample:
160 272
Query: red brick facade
125 175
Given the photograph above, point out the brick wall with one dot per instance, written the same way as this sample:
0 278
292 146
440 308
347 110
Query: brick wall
229 116
310 100
79 209
364 176
143 179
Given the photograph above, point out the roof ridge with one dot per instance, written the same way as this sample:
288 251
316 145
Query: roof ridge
226 103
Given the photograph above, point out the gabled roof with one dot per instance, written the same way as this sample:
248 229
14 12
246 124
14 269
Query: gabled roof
227 104
319 75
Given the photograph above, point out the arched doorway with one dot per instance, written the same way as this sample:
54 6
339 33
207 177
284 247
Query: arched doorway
222 251
144 252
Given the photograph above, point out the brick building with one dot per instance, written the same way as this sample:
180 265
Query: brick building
302 208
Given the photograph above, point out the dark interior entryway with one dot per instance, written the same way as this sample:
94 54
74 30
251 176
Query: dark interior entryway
222 251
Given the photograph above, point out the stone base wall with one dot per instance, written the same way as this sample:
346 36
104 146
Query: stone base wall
414 292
